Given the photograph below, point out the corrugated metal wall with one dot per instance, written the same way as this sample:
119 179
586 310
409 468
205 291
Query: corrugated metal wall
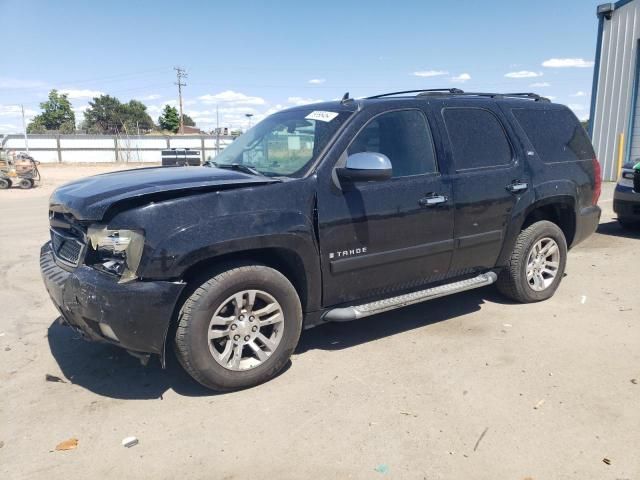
615 85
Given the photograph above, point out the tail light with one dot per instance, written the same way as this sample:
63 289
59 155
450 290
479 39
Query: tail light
597 187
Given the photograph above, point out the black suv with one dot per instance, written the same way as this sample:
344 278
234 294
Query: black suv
329 212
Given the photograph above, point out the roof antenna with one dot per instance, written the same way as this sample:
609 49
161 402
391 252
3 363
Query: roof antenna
345 98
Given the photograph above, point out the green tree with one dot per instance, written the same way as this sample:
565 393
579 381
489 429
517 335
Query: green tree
135 117
56 116
169 120
188 121
103 115
106 114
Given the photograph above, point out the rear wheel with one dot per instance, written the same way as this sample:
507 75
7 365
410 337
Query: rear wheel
25 183
5 183
536 265
239 328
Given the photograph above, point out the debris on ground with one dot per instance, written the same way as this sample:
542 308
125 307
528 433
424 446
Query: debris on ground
409 414
382 468
583 299
484 432
507 325
634 381
70 444
625 309
606 460
52 378
1 444
129 442
538 405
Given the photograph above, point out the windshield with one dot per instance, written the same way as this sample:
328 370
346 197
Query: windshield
284 144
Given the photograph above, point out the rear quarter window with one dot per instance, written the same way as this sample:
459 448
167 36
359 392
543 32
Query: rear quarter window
556 135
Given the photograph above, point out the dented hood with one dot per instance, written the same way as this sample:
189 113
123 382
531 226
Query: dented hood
91 197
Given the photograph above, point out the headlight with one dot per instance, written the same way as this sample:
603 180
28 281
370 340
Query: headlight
117 251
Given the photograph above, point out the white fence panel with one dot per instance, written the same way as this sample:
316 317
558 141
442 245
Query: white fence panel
88 156
182 142
87 142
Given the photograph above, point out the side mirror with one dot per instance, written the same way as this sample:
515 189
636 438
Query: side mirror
366 167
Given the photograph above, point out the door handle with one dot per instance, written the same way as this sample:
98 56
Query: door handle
432 200
517 187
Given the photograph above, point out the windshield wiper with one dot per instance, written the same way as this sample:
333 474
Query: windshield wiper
239 167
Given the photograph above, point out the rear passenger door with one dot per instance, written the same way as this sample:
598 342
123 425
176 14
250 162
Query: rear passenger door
488 179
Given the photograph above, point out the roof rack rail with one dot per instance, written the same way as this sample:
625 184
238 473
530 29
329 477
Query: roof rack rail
422 90
457 91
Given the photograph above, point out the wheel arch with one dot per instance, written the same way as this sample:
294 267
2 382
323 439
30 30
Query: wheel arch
559 209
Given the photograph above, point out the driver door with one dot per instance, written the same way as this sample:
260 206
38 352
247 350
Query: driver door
382 237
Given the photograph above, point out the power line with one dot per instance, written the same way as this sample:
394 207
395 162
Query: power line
180 74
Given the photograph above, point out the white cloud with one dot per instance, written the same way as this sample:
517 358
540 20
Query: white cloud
567 63
430 73
155 110
523 74
15 111
540 85
317 81
9 128
6 82
229 96
579 94
577 107
463 77
80 109
71 93
302 101
153 96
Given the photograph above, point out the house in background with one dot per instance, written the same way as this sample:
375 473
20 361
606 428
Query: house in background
615 105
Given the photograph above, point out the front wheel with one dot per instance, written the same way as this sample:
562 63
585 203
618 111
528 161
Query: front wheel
239 328
5 183
536 265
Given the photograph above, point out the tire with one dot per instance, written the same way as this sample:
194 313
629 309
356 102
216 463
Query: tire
25 183
629 224
219 296
513 280
5 183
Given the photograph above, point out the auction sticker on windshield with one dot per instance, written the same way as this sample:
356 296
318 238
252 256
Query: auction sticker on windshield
322 116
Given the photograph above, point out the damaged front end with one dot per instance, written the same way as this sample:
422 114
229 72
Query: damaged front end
133 314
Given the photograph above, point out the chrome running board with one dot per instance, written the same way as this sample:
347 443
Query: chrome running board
346 314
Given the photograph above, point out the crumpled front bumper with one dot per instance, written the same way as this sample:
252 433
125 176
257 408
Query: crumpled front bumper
138 312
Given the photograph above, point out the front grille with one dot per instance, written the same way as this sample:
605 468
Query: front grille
66 248
636 181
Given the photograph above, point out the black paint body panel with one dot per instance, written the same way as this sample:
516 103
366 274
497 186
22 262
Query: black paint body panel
352 242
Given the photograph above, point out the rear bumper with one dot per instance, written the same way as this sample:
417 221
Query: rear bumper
138 312
587 222
626 203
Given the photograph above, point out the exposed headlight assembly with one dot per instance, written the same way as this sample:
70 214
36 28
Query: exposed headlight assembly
118 251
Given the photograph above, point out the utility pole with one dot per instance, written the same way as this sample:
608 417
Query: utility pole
180 74
217 131
24 130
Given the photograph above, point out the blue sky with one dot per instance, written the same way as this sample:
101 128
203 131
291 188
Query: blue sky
261 56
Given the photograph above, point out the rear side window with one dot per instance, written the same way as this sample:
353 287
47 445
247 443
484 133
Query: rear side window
556 135
477 138
404 137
